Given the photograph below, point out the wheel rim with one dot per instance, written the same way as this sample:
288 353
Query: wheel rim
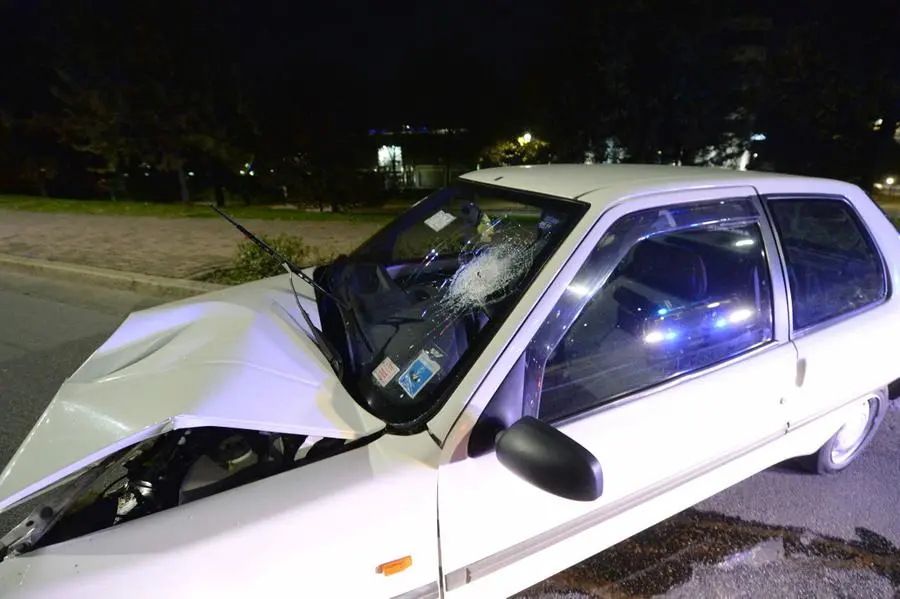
851 436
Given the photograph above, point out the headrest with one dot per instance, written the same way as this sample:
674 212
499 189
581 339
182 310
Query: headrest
669 269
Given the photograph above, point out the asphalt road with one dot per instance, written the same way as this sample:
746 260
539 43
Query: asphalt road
48 328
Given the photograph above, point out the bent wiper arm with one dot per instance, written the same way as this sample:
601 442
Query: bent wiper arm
321 341
288 265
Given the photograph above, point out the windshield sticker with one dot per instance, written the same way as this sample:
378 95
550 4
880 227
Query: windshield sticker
439 220
385 372
418 374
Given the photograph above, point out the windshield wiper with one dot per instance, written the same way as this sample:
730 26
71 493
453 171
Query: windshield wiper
287 264
321 341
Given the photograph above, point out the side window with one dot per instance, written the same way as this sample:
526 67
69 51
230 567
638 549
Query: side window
691 294
832 263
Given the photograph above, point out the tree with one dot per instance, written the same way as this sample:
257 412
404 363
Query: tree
526 149
28 153
651 75
832 78
143 90
94 121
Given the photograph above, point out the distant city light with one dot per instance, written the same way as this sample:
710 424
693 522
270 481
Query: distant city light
890 180
525 138
758 137
190 173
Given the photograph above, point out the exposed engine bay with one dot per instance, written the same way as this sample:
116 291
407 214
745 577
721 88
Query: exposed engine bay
173 469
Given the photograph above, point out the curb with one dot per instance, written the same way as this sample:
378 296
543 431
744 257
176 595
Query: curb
115 279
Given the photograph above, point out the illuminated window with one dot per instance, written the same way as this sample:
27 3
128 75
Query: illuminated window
390 158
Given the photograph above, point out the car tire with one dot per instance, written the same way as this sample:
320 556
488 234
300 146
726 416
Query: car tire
851 440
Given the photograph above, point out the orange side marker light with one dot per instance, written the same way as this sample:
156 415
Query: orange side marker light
394 566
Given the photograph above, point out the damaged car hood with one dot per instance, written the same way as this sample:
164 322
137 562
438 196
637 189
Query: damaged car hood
239 358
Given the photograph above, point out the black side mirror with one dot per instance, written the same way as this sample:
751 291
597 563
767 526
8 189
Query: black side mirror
548 459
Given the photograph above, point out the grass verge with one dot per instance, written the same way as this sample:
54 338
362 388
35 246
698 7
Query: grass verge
130 208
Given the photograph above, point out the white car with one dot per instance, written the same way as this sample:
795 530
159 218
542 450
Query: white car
520 371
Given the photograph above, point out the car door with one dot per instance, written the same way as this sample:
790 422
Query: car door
839 287
665 355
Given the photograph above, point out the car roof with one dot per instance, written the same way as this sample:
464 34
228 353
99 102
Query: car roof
575 180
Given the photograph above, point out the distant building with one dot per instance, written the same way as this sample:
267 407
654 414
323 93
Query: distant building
421 157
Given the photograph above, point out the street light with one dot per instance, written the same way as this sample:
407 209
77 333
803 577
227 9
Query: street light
525 138
889 180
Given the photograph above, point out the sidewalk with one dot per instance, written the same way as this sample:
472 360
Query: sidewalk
164 247
178 248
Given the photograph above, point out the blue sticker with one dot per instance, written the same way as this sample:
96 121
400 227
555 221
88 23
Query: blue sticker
418 374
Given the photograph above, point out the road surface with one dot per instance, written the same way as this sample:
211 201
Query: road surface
763 538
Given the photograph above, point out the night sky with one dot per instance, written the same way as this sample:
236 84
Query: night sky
414 61
389 61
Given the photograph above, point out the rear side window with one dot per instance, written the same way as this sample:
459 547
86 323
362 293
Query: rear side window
833 265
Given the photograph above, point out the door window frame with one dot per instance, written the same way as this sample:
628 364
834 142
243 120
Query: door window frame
768 198
757 221
455 440
779 336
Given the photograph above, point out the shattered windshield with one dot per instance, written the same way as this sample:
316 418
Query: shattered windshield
427 292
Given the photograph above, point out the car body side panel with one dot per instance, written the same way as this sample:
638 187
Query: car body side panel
319 531
543 556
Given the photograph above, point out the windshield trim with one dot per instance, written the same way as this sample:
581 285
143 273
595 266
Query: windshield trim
444 389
